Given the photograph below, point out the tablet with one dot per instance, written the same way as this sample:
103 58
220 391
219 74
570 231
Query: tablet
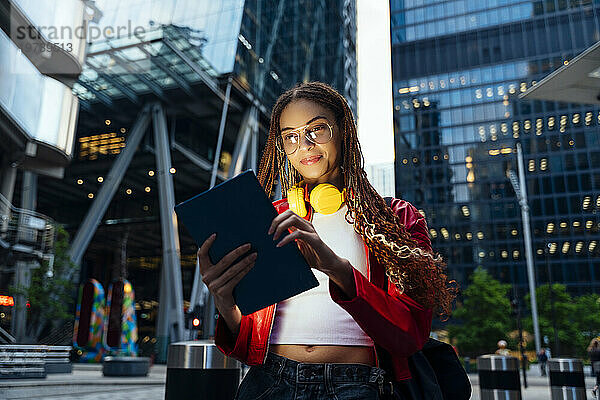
240 212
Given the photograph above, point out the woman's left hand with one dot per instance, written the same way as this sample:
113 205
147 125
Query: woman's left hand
315 251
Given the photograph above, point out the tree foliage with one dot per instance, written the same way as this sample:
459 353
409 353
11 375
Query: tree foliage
485 315
577 320
50 293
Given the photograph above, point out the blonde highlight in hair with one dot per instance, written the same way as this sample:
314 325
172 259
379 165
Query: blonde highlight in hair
417 272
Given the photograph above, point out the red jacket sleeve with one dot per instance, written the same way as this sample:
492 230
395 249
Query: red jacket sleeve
394 321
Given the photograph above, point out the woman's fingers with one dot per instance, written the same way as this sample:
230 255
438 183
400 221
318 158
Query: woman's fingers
202 254
297 234
222 285
293 220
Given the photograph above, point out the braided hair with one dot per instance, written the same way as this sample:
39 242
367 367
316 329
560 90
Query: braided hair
414 271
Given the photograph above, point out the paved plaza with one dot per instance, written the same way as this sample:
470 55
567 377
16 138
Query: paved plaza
87 383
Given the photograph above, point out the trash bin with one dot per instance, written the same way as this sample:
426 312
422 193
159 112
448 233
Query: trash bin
566 379
499 377
198 370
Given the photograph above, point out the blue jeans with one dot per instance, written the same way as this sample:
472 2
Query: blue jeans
282 378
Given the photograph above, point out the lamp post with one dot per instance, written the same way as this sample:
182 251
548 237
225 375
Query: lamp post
520 187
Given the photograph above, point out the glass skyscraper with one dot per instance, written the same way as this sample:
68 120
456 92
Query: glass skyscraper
458 68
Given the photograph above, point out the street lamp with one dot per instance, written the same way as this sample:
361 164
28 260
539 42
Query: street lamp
520 189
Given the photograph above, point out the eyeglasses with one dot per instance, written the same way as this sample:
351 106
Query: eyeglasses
319 132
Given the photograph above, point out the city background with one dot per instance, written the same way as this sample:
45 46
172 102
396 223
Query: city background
103 129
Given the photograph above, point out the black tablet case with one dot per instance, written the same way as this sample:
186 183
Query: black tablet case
239 211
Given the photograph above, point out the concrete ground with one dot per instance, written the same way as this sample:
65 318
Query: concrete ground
87 383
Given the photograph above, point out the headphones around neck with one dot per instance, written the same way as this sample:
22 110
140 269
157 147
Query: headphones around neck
325 198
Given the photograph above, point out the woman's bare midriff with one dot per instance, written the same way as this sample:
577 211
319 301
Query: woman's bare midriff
326 354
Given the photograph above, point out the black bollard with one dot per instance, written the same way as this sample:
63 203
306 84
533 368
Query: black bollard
567 381
198 370
499 377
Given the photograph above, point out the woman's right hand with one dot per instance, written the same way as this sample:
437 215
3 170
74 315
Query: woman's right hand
222 277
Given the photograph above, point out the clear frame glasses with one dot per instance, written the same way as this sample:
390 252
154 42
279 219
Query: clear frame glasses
318 132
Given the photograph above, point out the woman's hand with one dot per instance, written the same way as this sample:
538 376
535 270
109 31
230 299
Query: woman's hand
222 277
315 251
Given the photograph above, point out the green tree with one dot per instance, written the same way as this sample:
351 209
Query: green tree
562 314
485 315
587 319
50 293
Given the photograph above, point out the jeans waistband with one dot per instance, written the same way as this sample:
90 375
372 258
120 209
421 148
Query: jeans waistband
320 372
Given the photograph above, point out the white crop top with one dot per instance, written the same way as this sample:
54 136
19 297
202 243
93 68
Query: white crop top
312 317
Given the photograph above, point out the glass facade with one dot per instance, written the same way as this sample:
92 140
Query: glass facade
458 68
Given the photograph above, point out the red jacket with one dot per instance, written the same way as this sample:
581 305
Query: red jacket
393 320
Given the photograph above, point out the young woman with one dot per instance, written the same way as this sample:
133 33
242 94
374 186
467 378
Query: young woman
321 344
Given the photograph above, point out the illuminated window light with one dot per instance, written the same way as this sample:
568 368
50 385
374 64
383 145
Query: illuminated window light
128 191
145 208
506 150
598 201
433 233
445 156
489 92
566 62
100 179
413 89
481 254
578 247
404 161
123 130
469 159
576 118
563 224
527 125
494 152
531 165
445 233
478 93
90 195
550 227
512 88
576 224
107 122
457 236
80 181
553 248
523 87
147 189
565 247
172 170
504 254
469 236
586 202
514 232
592 246
465 210
543 164
471 176
150 173
515 254
571 143
480 235
540 251
588 224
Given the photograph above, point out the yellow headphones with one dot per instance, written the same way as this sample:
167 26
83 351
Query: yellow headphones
325 198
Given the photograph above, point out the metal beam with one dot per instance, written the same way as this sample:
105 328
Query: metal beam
170 325
217 157
200 162
241 144
206 78
104 99
157 90
110 185
169 71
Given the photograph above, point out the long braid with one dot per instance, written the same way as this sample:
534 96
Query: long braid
418 273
